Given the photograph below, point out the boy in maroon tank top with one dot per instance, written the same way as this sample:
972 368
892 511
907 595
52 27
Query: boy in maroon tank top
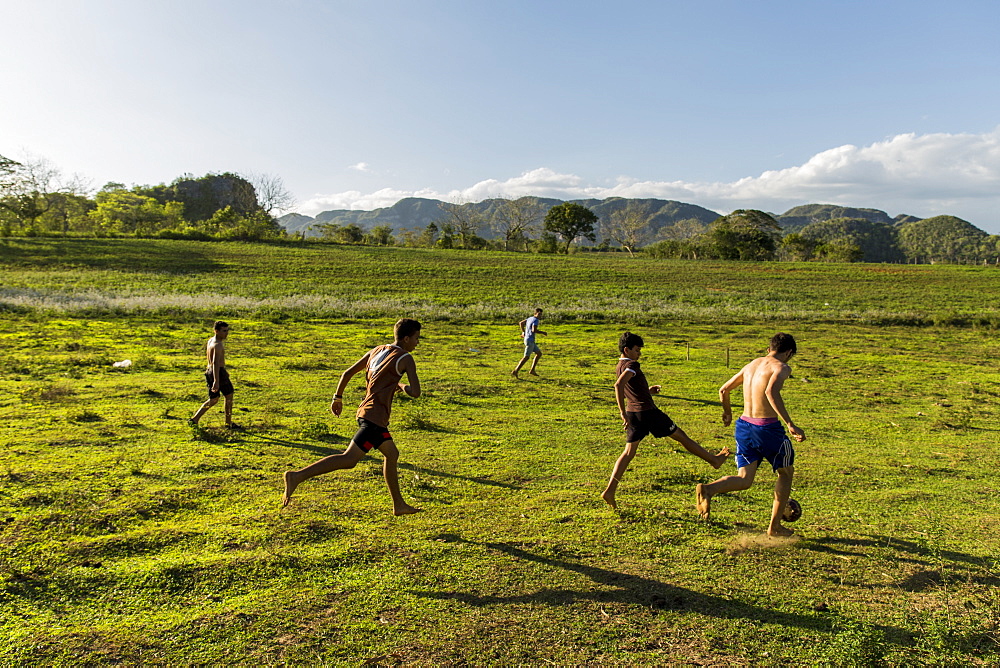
385 367
641 417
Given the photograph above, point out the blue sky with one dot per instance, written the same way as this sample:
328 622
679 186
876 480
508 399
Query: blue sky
891 105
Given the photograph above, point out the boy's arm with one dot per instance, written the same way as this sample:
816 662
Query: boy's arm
521 325
410 370
337 405
773 392
724 391
620 393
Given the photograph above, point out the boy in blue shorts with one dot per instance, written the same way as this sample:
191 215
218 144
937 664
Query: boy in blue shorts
759 434
641 417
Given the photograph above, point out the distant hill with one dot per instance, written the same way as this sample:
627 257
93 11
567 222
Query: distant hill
415 213
798 217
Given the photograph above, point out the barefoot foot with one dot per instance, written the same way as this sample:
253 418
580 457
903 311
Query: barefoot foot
780 532
405 509
719 458
532 373
609 498
702 502
291 482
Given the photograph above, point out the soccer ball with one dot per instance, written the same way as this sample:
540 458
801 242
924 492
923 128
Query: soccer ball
793 511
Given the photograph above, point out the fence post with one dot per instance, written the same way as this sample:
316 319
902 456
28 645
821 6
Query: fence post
727 357
688 351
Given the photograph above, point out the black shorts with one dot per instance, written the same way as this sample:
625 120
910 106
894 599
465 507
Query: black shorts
641 425
225 385
370 435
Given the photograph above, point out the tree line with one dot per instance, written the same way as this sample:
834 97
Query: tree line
36 199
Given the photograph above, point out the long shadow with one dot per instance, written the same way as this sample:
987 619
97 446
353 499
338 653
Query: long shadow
839 545
703 402
631 589
325 452
442 474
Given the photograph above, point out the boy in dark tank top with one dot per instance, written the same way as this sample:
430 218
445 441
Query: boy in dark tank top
641 417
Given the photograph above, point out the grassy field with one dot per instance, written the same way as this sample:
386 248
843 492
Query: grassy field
128 537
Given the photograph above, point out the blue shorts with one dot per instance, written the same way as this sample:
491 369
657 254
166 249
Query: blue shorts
531 349
757 442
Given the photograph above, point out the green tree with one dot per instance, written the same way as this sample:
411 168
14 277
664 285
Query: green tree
429 236
124 212
744 234
798 247
381 235
571 220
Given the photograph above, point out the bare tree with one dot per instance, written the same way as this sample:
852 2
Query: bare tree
628 226
515 219
464 218
33 186
272 195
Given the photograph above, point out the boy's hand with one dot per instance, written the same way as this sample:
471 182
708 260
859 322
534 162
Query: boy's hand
727 418
337 406
654 389
797 433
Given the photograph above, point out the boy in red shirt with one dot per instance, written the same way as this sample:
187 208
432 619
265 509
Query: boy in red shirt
385 367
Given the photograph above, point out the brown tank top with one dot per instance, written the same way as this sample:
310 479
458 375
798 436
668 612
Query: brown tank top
382 377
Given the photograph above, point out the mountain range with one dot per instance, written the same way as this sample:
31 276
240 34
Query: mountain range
415 213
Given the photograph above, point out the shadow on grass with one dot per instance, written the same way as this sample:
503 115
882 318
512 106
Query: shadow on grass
325 452
634 590
442 474
909 552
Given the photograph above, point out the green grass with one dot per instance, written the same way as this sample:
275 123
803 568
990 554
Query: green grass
127 537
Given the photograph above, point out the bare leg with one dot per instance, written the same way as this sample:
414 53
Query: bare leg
534 363
346 460
229 410
204 409
782 489
729 483
617 472
694 448
391 474
518 367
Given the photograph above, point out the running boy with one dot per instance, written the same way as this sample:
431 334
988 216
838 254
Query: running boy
529 328
759 434
385 367
216 376
641 417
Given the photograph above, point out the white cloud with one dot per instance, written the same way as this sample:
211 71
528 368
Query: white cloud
923 175
361 167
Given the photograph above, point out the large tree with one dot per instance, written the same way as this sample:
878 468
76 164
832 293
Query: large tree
570 220
744 234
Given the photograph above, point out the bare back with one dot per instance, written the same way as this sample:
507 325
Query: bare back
763 377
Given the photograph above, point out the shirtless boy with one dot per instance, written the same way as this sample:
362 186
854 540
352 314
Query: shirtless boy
759 434
385 367
216 376
529 328
641 417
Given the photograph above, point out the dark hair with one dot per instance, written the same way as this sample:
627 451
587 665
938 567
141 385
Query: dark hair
219 324
538 311
781 343
405 327
629 340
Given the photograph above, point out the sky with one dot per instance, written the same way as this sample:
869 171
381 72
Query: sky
893 104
